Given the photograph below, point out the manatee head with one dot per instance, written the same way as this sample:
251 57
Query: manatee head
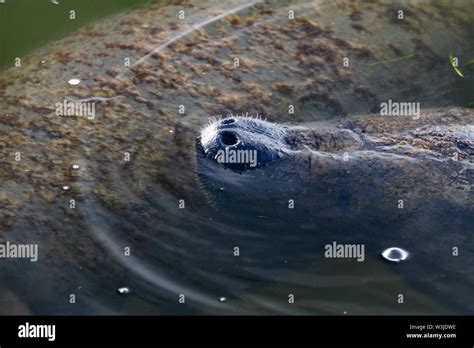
242 159
251 165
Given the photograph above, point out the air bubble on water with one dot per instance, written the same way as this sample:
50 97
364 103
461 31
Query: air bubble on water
123 291
74 82
56 2
395 254
222 299
76 166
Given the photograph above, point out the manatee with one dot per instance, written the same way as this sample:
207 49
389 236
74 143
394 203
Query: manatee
363 179
154 79
357 165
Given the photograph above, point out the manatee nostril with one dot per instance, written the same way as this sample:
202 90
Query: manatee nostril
229 138
228 121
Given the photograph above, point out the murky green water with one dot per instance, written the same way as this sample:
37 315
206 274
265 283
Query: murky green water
28 24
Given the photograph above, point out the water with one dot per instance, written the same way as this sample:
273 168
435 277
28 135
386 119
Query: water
74 82
123 291
147 222
395 254
27 24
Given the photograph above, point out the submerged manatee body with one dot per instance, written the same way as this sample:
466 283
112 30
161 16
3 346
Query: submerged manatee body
191 63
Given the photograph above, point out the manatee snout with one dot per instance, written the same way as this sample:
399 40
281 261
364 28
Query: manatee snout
240 143
241 160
